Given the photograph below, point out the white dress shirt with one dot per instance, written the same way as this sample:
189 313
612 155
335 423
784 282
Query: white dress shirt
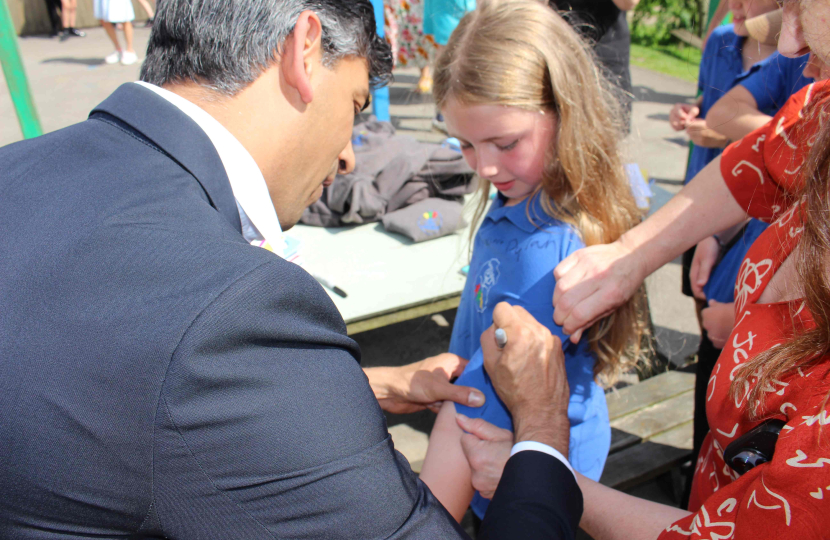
260 225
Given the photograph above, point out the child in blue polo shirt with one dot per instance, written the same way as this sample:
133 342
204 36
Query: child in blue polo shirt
733 57
538 122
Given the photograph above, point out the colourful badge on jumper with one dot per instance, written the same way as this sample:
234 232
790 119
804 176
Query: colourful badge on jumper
430 223
487 278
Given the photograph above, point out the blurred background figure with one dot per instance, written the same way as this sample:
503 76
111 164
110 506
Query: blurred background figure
52 7
69 9
111 12
151 14
604 24
410 45
440 19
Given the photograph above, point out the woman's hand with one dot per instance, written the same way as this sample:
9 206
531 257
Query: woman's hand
703 136
422 385
706 254
718 320
681 114
487 449
592 282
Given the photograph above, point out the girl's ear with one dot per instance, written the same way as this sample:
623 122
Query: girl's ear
302 54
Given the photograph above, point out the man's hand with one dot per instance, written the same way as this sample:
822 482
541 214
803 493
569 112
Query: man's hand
703 136
681 114
487 449
718 320
706 254
422 385
592 282
529 376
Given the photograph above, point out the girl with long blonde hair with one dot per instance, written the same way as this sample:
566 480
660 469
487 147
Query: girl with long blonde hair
536 120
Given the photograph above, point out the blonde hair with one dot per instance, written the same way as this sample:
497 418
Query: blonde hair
521 53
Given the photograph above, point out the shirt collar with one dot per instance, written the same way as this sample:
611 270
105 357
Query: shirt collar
529 215
260 225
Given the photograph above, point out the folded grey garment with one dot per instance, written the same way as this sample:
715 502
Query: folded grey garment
430 218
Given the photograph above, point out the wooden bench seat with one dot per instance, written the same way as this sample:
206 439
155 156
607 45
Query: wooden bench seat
651 429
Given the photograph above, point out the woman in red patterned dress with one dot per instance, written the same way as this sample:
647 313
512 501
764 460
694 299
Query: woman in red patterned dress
776 364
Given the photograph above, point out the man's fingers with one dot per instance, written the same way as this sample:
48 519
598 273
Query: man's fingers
435 406
460 364
576 336
464 395
505 315
482 429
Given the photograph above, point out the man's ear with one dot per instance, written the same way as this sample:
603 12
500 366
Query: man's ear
302 51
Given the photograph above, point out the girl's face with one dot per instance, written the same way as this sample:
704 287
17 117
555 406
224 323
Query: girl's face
506 145
747 9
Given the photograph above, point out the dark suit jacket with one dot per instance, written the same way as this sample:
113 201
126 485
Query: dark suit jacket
159 377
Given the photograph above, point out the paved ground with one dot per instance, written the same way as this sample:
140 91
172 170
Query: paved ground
69 78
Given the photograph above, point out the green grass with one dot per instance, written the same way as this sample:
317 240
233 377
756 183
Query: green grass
669 59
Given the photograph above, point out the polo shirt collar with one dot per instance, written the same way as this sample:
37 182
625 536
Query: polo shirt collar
256 211
529 215
732 46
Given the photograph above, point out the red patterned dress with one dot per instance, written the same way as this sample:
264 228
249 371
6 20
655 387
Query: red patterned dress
789 497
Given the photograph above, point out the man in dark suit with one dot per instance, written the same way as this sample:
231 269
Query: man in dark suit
162 377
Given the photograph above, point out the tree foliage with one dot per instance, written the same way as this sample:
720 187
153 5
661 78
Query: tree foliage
654 20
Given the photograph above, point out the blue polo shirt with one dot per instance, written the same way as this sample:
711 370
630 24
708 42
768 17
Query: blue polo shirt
514 254
721 284
771 82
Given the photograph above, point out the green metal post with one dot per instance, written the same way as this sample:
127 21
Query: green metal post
15 75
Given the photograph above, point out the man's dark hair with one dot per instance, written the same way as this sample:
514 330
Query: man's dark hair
225 45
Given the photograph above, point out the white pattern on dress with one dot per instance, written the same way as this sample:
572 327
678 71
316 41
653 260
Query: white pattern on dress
736 170
785 503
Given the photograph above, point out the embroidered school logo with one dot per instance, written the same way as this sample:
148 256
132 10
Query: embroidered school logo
430 223
486 280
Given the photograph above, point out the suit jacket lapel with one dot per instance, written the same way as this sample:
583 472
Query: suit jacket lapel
178 135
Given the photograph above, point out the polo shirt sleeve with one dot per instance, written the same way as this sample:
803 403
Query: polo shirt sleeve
763 171
710 52
774 81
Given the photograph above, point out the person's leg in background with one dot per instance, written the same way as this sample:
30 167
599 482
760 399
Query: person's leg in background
52 7
115 57
69 9
151 14
707 357
129 56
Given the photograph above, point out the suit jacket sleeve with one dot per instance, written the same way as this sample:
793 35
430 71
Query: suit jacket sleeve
537 497
266 426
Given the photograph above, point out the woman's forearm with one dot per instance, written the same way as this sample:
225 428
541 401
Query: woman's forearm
609 514
703 207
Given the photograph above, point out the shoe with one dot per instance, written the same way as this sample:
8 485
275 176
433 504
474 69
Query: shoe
113 58
75 32
128 58
54 33
149 23
439 124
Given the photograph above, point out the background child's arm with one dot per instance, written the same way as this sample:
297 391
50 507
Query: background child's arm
736 114
446 471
